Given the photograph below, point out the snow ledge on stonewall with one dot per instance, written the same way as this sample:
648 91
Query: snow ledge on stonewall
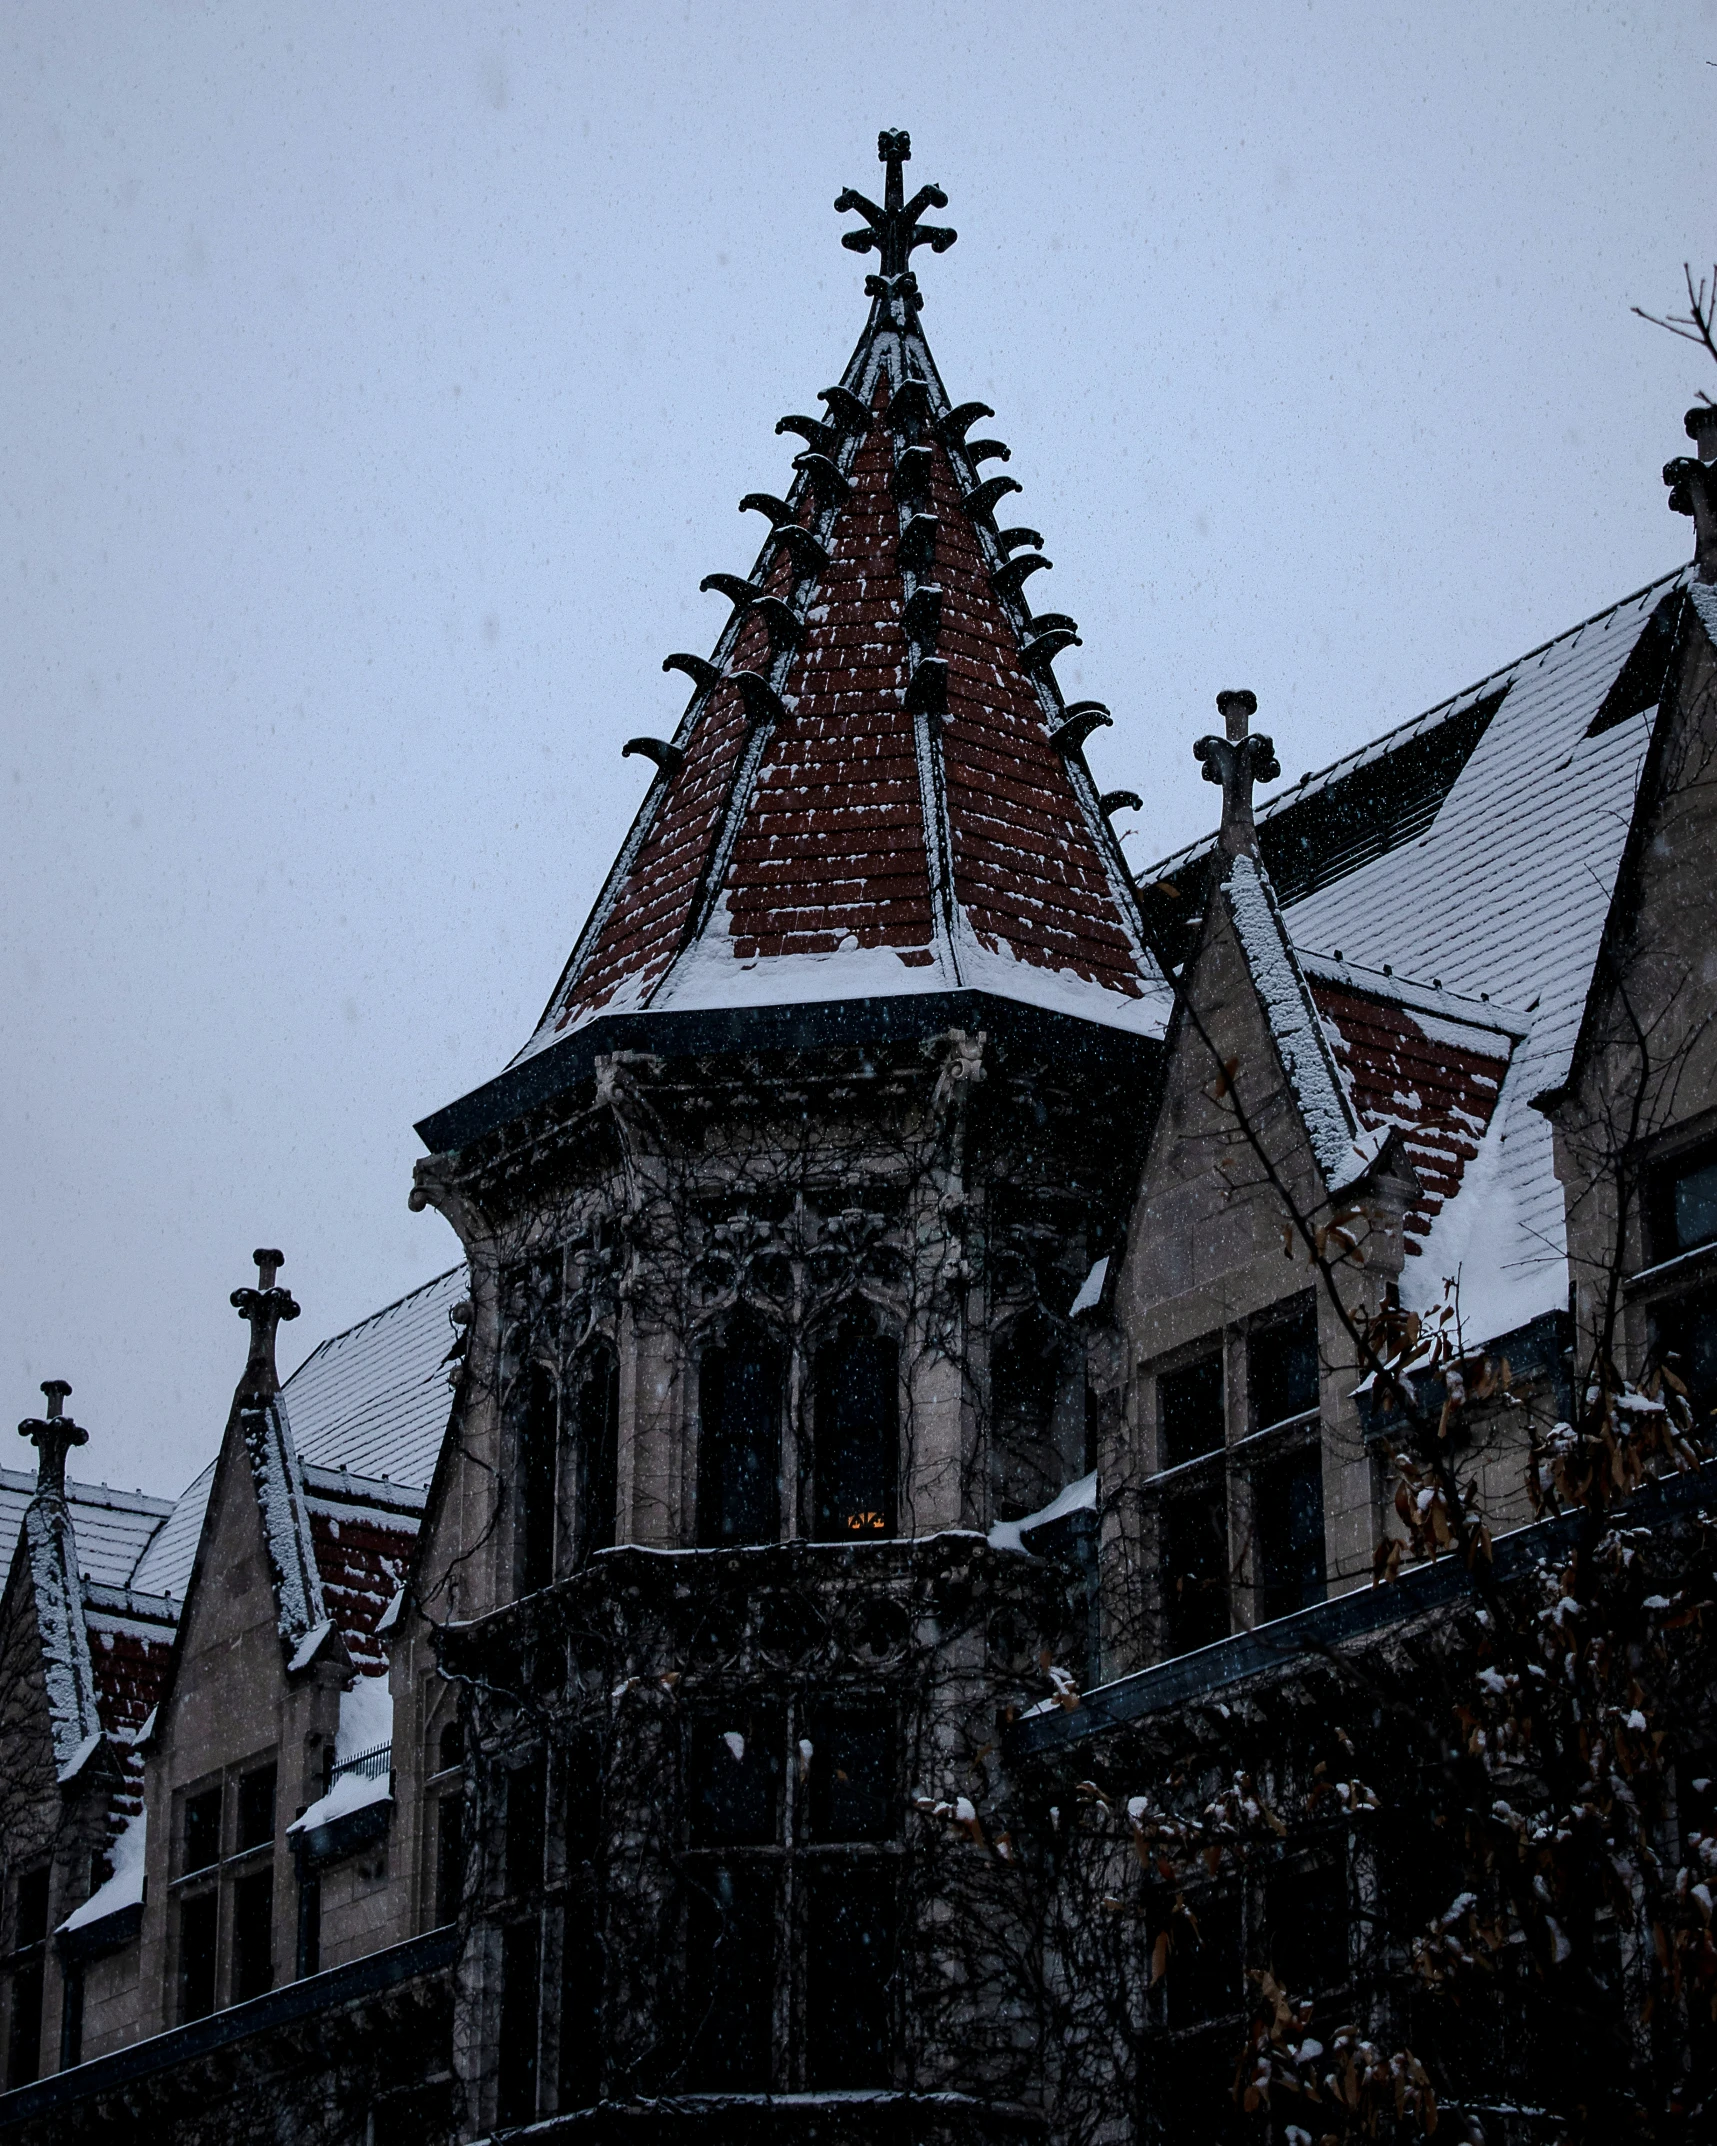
1076 1498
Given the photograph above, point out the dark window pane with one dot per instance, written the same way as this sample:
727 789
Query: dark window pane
849 1977
253 1935
450 1750
739 1402
1282 1365
524 1840
520 1999
256 1808
24 2059
730 1978
31 1923
733 1777
1687 1344
1204 1978
1694 1203
584 1771
1025 1374
1191 1405
851 1772
203 1829
1307 1911
857 1438
197 1955
1193 1531
580 2008
598 1454
449 1857
1288 1523
537 1432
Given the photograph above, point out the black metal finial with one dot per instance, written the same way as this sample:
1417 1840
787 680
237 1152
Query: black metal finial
894 230
1243 757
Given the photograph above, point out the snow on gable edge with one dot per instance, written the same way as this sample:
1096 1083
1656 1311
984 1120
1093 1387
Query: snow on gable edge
1343 1151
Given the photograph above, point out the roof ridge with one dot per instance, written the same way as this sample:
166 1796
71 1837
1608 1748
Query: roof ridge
1453 704
358 1325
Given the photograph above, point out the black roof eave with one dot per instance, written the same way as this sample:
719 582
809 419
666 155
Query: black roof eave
711 1032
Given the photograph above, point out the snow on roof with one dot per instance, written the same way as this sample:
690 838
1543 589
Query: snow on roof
1342 1150
114 1527
362 1554
124 1889
130 1644
50 1547
273 1455
1504 892
1435 1078
165 1567
375 1399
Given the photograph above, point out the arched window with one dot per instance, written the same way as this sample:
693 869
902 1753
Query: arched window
538 1425
857 1442
739 1446
598 1452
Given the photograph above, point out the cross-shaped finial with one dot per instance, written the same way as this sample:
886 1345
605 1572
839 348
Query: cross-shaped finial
894 230
53 1435
264 1307
1237 762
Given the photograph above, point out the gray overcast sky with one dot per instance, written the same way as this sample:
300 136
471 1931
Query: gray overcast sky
380 382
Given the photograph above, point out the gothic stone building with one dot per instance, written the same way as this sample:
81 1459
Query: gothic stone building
896 1382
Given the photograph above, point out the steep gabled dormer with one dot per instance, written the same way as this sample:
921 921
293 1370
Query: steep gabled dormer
248 1714
1240 1489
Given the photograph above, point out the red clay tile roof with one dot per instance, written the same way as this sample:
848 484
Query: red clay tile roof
130 1663
1436 1077
362 1555
825 831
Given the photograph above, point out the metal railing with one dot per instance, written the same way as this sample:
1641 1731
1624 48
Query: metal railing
378 1761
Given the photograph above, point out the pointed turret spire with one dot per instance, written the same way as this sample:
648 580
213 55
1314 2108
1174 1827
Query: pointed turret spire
876 788
53 1436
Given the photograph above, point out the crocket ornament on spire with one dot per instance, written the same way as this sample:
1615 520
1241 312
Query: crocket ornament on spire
1237 762
894 230
264 1306
53 1436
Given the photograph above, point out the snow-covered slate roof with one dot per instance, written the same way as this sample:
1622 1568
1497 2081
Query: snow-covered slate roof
1504 893
820 831
114 1527
376 1398
1339 1143
165 1567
